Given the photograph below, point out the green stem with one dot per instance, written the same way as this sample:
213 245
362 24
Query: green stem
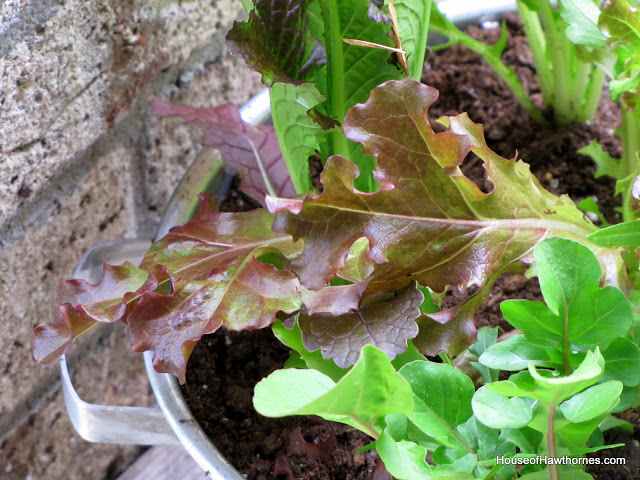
565 353
538 45
445 359
582 81
464 444
335 74
561 60
565 346
593 94
630 133
368 429
417 62
458 437
334 33
551 441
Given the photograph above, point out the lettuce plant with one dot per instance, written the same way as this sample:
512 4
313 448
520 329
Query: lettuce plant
209 273
316 76
610 39
345 276
571 85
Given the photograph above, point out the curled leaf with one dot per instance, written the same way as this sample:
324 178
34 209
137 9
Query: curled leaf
429 222
171 325
335 300
82 305
220 282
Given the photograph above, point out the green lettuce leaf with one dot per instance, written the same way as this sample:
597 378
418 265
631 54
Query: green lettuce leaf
362 398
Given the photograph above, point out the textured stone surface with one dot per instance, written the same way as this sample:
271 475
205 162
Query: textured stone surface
71 69
110 374
99 209
83 160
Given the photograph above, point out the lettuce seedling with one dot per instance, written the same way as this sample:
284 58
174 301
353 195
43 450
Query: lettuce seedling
571 87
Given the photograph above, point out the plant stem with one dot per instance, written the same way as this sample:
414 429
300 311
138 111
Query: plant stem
551 441
593 93
565 346
538 45
417 62
445 359
368 429
561 60
630 134
263 170
458 437
335 73
582 81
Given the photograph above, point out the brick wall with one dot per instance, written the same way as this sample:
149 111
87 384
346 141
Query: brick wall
83 160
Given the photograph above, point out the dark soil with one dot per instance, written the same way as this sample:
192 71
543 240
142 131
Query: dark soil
225 366
222 372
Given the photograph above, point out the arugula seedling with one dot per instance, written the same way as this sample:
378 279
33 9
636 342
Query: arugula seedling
409 410
558 403
575 386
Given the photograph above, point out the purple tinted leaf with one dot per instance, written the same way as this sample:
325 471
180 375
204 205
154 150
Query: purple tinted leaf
429 222
253 151
219 283
214 242
50 342
386 320
449 331
336 300
274 41
171 325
